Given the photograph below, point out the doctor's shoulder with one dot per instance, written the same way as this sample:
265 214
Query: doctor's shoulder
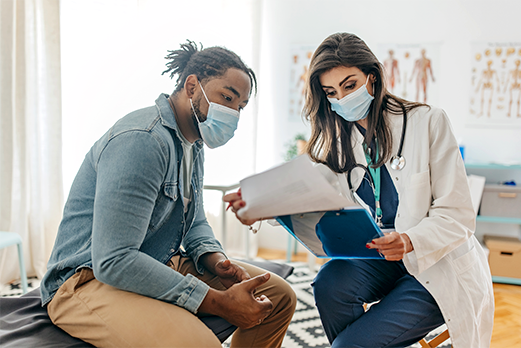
431 116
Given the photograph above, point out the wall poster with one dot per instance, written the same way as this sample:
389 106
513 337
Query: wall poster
495 86
300 59
412 70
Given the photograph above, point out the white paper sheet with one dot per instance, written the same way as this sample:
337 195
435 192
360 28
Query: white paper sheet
476 185
293 187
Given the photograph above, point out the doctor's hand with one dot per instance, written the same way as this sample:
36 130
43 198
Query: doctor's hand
235 202
393 246
238 304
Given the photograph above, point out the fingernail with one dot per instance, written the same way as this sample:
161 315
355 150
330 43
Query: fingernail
367 246
373 242
239 193
242 204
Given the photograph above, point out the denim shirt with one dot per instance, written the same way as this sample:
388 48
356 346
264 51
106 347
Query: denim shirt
125 218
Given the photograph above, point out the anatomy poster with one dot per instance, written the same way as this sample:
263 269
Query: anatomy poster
300 58
412 70
495 86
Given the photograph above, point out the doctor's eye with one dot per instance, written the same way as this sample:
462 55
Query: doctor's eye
228 98
350 85
330 94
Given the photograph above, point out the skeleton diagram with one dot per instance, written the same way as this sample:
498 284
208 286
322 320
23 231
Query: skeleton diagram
392 72
422 67
514 85
486 84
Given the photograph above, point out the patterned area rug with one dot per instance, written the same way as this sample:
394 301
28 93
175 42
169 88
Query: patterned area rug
305 329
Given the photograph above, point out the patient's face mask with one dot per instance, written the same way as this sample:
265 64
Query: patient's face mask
220 125
354 106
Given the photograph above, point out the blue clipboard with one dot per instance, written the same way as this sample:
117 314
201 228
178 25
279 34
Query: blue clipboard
339 234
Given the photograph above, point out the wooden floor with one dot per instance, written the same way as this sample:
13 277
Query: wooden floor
507 316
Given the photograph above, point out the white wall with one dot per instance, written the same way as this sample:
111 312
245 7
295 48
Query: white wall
113 53
453 24
112 59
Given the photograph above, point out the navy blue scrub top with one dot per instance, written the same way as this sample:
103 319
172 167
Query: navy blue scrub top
388 193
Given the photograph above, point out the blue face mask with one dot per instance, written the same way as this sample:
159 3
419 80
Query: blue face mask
220 125
355 106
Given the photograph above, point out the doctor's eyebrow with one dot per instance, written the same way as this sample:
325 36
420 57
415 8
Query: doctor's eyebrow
341 82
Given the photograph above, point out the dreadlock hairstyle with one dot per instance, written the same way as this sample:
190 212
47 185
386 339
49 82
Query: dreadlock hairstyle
330 141
205 63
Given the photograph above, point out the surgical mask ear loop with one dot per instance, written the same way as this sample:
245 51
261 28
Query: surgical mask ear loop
191 103
204 93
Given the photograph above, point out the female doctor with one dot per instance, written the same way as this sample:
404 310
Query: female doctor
400 160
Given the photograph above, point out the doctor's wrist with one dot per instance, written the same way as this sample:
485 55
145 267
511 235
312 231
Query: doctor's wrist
407 242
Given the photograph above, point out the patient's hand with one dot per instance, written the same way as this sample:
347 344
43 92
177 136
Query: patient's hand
235 202
230 273
238 304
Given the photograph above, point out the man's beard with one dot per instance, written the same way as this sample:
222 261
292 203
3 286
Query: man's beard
197 115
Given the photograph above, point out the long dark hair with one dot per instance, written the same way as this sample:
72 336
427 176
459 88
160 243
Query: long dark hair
205 63
330 141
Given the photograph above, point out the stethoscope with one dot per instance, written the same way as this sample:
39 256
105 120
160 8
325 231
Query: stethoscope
397 163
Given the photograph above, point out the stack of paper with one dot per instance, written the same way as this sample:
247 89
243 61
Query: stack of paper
293 187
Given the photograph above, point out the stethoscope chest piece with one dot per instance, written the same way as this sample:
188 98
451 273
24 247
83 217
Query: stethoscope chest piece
397 162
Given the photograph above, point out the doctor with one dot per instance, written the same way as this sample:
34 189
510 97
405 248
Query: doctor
400 160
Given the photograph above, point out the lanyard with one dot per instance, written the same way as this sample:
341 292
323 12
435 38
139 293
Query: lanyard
375 173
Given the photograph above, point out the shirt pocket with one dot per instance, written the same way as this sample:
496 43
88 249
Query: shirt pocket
164 205
419 194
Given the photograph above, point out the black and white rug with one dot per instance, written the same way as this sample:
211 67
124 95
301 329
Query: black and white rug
305 329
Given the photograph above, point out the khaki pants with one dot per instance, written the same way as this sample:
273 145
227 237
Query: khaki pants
108 317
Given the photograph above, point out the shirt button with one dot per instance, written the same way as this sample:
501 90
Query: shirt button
396 178
427 282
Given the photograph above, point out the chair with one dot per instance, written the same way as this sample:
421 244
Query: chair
8 239
436 341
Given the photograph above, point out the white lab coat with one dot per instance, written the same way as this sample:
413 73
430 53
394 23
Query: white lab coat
436 212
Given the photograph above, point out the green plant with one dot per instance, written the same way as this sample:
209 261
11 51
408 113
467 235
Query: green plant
291 147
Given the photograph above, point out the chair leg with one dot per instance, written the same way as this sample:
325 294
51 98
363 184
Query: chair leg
23 274
436 341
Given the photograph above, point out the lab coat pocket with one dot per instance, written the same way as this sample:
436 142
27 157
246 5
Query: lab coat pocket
418 193
466 261
471 276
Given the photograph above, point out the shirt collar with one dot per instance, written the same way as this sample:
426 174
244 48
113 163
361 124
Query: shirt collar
168 118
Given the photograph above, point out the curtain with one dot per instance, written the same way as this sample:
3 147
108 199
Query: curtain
31 190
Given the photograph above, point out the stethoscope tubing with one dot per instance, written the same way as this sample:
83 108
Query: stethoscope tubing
398 155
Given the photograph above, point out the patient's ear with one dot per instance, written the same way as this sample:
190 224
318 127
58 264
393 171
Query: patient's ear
190 86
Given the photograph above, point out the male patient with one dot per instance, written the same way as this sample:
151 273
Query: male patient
135 260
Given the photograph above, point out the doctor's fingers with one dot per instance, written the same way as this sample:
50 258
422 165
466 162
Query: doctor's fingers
232 197
395 256
388 238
